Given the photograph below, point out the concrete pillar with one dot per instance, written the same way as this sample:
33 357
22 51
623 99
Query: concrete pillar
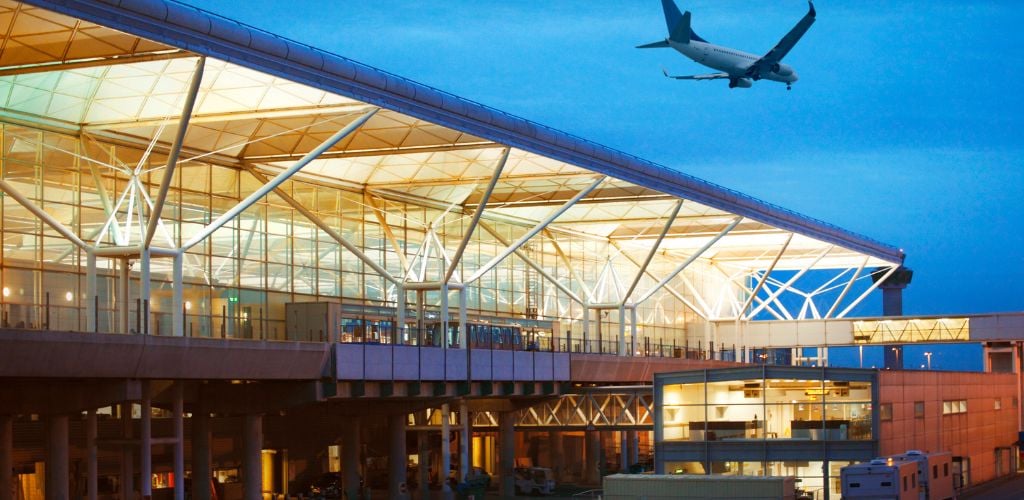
201 458
397 457
465 446
6 456
350 459
146 445
633 443
179 445
507 457
423 471
557 452
252 467
592 452
57 479
446 451
127 454
92 463
624 451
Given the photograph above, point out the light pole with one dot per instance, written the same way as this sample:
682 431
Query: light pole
861 349
929 356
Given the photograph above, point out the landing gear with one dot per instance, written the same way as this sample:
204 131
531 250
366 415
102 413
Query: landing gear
789 87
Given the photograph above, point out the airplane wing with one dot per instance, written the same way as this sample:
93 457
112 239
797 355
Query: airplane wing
710 76
774 56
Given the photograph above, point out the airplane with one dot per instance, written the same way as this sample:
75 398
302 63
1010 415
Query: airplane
740 68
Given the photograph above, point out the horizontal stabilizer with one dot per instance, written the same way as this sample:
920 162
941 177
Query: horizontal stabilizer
654 45
709 76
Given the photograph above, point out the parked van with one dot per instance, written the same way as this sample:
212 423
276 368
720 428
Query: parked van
534 481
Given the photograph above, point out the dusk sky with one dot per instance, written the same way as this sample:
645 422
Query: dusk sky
905 126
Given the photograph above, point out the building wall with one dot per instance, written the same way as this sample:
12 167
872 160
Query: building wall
975 433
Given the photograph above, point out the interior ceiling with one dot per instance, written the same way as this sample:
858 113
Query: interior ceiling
114 86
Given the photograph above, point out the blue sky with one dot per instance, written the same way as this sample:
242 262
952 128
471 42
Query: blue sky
906 125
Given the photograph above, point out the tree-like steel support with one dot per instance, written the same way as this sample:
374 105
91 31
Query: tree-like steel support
847 288
689 260
785 286
654 250
272 184
867 292
479 212
536 229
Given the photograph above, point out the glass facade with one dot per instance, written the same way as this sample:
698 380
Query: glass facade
239 279
768 408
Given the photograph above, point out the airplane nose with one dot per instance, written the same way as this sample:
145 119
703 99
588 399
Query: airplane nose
795 77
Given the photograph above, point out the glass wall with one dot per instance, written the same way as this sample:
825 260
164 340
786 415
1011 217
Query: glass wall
238 280
767 408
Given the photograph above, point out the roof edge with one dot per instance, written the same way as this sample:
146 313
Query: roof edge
209 34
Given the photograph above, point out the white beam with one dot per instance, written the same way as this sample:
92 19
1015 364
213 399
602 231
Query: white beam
654 250
760 283
42 215
846 289
864 295
534 265
689 260
536 229
277 180
476 216
172 157
790 282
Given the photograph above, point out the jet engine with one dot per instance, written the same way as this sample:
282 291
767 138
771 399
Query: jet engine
782 69
743 83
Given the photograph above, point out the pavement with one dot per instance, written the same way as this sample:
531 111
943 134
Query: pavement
1010 488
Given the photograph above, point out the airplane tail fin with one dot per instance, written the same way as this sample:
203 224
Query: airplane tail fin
678 23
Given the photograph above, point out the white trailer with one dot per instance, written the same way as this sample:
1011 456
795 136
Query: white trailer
880 479
934 473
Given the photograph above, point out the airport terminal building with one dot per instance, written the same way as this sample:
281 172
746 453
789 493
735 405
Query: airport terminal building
236 258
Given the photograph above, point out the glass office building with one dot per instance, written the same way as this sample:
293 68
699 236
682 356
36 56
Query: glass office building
767 420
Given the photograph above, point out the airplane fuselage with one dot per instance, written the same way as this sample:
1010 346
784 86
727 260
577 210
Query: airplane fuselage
731 61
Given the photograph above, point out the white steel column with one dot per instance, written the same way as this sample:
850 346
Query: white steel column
122 295
463 327
144 290
764 277
633 329
446 451
179 443
7 457
622 331
146 444
178 296
91 289
444 314
400 313
465 446
586 328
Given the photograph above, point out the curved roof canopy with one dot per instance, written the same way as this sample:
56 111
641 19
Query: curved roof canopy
120 71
